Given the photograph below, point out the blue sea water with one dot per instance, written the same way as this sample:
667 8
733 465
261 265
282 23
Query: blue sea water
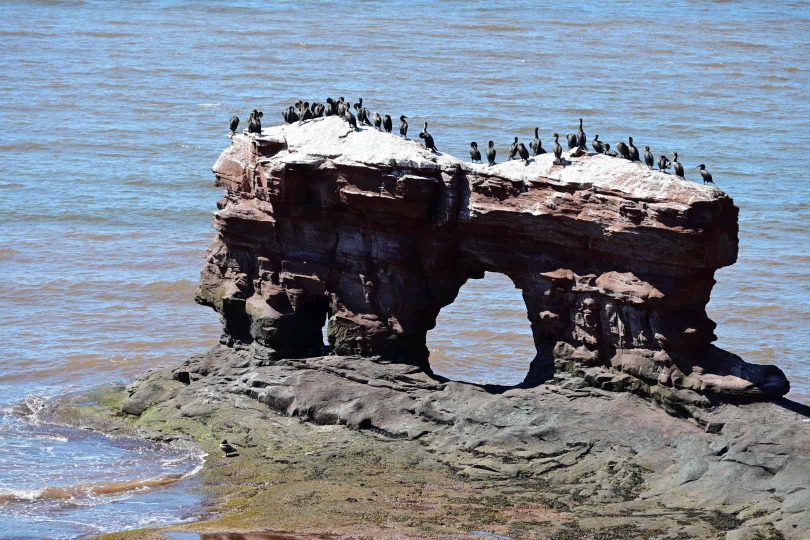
112 114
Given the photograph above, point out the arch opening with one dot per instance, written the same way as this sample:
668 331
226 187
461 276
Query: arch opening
484 336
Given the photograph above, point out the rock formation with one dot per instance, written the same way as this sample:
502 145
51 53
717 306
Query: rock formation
375 235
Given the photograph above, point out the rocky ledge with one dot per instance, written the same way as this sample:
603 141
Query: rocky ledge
372 235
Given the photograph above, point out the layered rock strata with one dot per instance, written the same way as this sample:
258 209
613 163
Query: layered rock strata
373 235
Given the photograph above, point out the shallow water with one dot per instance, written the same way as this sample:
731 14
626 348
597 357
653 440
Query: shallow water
113 114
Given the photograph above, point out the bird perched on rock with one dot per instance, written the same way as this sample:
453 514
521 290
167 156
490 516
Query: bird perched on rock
609 152
581 138
475 153
255 122
428 138
597 145
512 150
350 118
491 153
342 107
663 163
557 150
633 150
290 115
573 141
226 447
387 125
233 124
378 121
677 166
403 126
331 107
535 144
318 110
707 176
523 152
649 158
623 150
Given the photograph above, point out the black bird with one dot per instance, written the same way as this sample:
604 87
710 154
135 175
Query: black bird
475 154
557 150
623 150
378 121
573 142
540 149
523 153
597 145
342 107
318 110
663 163
359 105
677 166
491 153
428 138
649 158
226 447
513 149
535 144
331 107
387 126
609 152
707 176
255 122
234 123
306 113
581 138
403 126
350 118
633 150
290 115
364 116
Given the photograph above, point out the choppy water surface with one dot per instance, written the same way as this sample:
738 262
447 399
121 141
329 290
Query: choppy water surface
114 112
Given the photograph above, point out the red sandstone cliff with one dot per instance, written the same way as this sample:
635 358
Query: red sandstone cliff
375 234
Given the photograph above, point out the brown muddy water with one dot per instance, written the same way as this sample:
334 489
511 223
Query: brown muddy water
113 114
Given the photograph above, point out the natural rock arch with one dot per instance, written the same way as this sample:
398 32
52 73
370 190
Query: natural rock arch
615 262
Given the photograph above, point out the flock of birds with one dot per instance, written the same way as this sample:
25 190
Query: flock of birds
302 111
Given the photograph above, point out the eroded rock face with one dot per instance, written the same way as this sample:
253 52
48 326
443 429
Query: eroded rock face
377 235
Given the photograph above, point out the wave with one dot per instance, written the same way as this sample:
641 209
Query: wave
87 489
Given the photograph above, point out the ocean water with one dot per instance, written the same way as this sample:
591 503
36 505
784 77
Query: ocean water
113 113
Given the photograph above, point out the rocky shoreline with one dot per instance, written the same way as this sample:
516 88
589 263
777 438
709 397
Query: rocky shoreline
629 423
360 447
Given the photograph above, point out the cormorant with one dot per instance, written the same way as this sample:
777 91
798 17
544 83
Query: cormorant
677 166
609 152
597 145
387 125
331 108
707 176
523 153
350 118
491 153
633 150
255 122
378 121
475 154
663 163
623 150
540 149
234 123
403 126
557 150
572 141
428 138
513 149
226 447
306 113
342 107
649 158
535 144
317 110
581 138
363 116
